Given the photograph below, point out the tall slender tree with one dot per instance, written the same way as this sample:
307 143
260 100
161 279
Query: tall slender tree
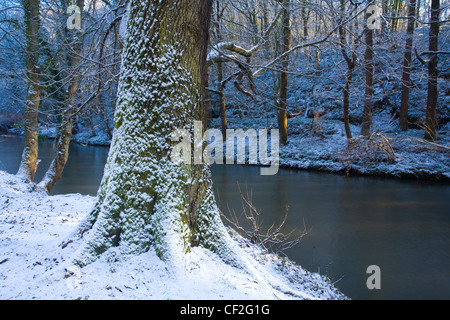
368 68
431 123
29 162
406 75
221 84
284 85
350 59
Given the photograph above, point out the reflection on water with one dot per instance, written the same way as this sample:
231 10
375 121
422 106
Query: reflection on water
401 226
82 174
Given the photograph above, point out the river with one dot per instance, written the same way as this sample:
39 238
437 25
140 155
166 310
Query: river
402 226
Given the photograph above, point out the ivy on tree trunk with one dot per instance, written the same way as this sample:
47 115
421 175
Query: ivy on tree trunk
145 199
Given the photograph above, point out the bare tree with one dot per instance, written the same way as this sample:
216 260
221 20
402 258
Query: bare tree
273 238
219 11
145 199
406 75
73 48
431 123
89 57
29 163
368 69
350 59
282 105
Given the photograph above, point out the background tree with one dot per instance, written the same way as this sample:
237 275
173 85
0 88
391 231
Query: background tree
369 70
248 60
29 163
284 85
218 15
73 47
350 59
406 75
431 123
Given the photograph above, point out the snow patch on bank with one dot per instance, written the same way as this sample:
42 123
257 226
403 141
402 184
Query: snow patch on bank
321 145
37 244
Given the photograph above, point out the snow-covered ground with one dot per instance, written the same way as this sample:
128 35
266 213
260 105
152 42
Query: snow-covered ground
37 243
328 151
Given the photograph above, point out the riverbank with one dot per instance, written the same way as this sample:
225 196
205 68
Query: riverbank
319 144
388 153
36 236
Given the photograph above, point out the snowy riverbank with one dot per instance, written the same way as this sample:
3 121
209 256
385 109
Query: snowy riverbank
36 241
413 157
321 145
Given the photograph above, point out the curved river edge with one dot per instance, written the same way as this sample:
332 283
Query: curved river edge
381 171
328 151
410 160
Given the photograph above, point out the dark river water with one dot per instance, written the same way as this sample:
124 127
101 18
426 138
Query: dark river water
401 226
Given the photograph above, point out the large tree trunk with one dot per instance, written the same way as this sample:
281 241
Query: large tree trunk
74 52
282 106
29 162
145 199
368 67
431 123
406 76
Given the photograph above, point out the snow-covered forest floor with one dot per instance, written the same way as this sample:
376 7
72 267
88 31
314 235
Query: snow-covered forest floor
37 242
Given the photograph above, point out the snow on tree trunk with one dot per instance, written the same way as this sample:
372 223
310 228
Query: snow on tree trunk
29 162
145 199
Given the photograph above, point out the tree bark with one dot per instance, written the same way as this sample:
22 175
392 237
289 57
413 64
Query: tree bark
220 80
431 123
305 14
222 102
351 62
146 200
282 107
368 67
346 100
29 162
74 52
396 7
406 75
